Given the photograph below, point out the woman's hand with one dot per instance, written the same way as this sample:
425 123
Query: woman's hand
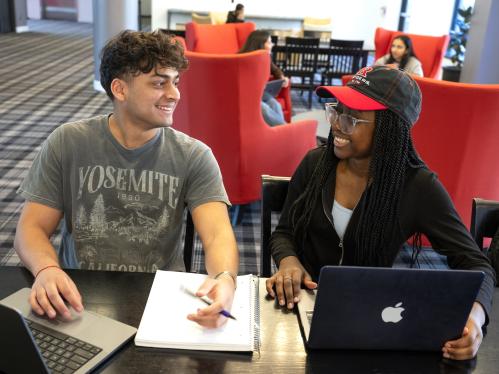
466 347
288 280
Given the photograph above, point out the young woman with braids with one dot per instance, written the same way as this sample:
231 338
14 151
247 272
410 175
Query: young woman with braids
359 198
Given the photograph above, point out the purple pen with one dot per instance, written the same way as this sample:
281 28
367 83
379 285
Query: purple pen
207 301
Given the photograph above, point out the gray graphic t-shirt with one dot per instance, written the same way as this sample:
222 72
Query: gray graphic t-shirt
123 209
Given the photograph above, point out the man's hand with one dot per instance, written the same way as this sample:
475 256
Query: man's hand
212 223
221 291
466 347
48 287
288 282
32 242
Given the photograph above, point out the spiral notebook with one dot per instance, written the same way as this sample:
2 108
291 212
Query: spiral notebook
164 323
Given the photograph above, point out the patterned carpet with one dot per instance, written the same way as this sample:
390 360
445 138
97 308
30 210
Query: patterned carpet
46 80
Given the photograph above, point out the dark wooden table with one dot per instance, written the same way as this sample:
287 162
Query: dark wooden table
123 296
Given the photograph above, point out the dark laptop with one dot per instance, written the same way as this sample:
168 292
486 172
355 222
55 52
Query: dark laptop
387 308
274 86
30 344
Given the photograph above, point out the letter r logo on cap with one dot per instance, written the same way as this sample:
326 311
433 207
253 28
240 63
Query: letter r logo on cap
363 72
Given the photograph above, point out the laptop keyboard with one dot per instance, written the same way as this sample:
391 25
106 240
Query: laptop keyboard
62 353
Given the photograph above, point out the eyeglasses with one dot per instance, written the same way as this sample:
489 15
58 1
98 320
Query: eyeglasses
346 121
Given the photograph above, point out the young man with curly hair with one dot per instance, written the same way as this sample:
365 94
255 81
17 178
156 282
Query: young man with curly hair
121 182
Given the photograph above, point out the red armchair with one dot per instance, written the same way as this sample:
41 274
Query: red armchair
429 49
284 98
457 135
228 38
220 106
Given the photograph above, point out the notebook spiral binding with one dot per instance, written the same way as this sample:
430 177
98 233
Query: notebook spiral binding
256 314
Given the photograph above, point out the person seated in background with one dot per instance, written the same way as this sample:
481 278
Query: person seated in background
402 56
356 200
121 182
271 109
237 15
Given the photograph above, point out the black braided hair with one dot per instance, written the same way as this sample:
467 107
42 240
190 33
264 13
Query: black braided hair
301 210
393 152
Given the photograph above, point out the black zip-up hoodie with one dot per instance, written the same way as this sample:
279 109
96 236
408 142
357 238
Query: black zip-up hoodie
424 207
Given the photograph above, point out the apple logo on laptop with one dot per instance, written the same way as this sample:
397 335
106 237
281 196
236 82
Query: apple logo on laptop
392 314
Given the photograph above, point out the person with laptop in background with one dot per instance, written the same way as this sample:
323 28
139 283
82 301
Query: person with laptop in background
271 108
121 182
356 200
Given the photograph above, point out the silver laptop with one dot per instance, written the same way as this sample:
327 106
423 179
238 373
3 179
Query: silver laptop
32 344
387 308
274 86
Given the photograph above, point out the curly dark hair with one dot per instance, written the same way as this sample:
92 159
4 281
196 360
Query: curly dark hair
133 52
393 153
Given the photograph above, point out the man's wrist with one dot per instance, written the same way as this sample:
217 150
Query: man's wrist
43 268
227 274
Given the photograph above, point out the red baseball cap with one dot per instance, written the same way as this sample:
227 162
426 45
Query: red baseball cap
378 88
350 98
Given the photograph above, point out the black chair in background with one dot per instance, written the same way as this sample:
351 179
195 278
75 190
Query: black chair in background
342 61
188 242
301 42
274 192
274 39
334 65
301 61
484 219
344 57
349 44
174 32
278 53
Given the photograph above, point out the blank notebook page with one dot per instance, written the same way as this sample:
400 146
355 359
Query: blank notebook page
165 324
